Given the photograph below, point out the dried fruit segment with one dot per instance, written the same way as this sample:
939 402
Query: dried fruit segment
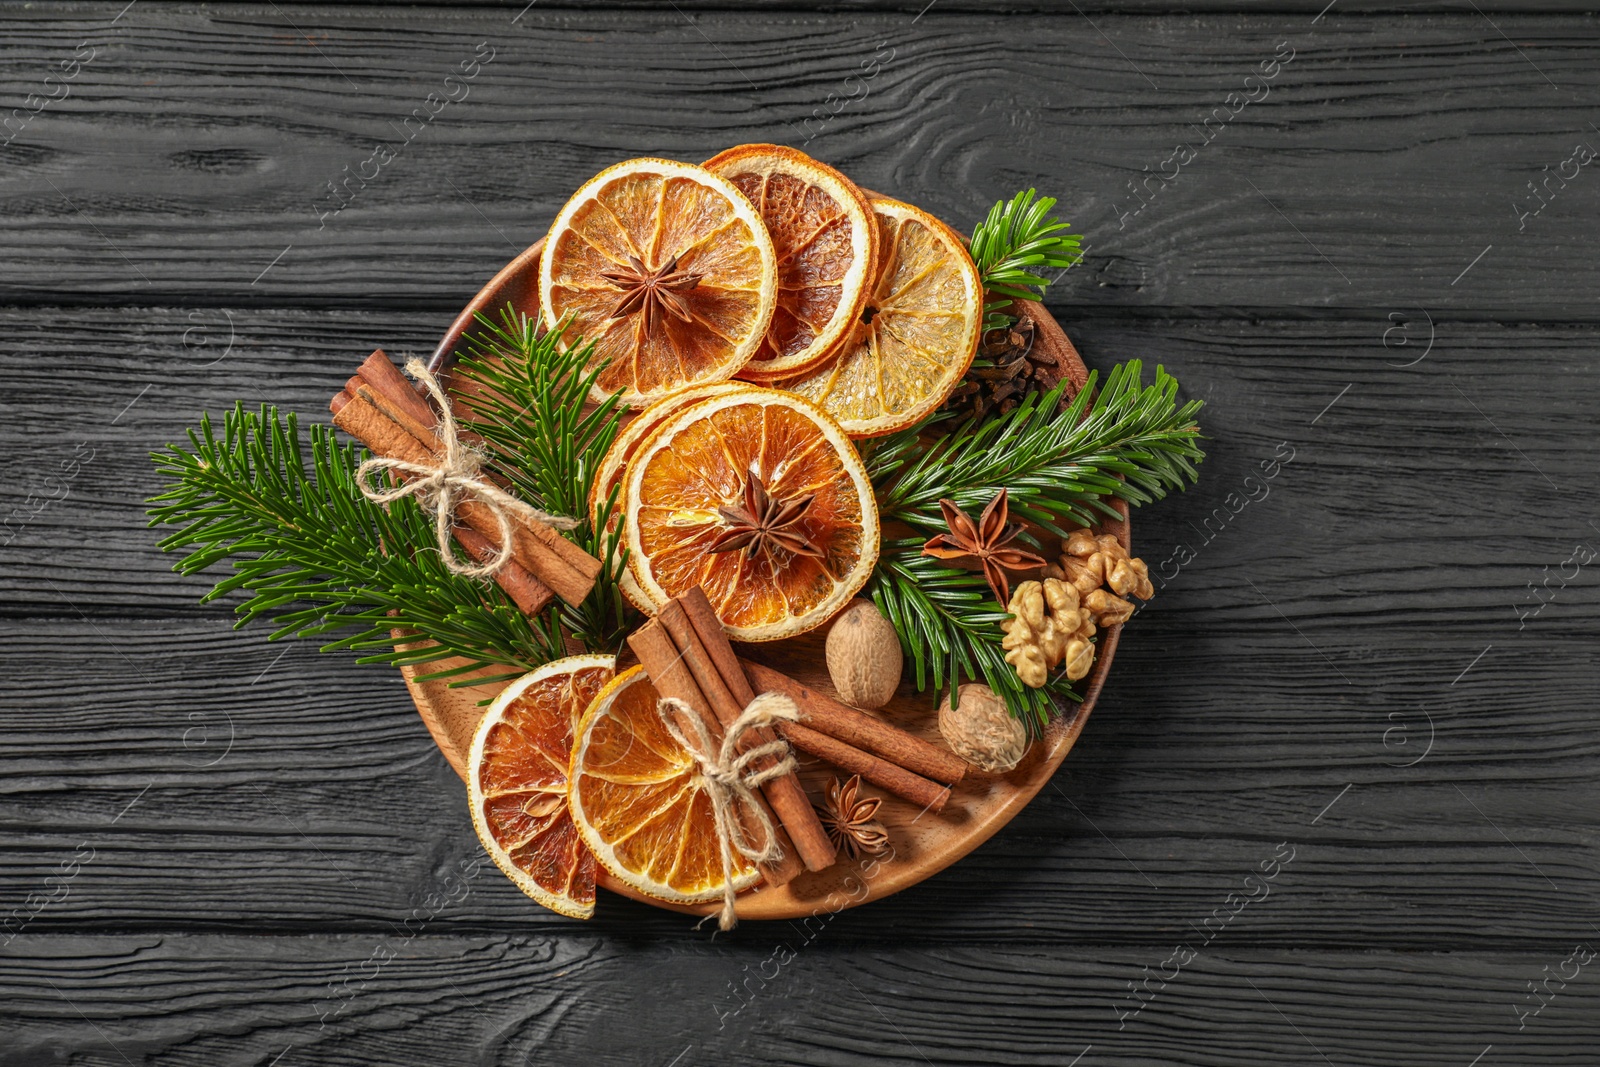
924 314
760 499
640 802
518 782
613 466
667 269
823 232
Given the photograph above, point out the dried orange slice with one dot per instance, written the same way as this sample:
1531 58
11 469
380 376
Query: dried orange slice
925 313
760 498
517 783
639 800
668 269
825 237
631 436
614 463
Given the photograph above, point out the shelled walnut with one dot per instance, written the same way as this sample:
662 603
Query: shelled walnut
1048 627
1092 564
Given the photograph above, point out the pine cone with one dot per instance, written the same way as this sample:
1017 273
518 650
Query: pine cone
1003 372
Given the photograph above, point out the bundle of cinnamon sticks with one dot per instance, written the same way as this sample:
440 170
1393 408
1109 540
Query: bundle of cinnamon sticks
687 655
381 409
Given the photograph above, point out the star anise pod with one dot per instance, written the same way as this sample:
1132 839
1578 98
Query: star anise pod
653 292
765 522
984 541
849 820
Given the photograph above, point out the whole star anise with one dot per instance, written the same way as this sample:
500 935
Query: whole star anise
849 820
984 541
765 522
652 291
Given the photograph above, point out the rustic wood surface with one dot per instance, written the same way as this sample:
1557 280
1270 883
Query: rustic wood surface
1374 679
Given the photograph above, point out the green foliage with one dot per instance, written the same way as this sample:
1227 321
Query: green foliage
528 405
1011 246
317 557
949 627
1062 465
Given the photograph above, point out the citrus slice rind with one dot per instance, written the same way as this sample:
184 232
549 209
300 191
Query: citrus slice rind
824 233
695 467
517 782
704 277
613 466
926 314
639 801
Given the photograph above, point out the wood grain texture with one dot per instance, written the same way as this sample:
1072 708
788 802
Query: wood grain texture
1378 657
802 997
233 121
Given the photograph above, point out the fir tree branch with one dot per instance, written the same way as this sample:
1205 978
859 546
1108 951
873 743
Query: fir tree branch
308 549
1061 465
529 406
530 410
1011 247
949 626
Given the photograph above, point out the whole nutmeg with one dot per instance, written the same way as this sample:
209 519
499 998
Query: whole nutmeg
980 730
864 657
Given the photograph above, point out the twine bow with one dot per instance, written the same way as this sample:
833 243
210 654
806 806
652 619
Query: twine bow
457 477
730 783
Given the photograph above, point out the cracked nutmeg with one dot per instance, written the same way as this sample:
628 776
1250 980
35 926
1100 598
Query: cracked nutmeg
765 523
985 541
849 819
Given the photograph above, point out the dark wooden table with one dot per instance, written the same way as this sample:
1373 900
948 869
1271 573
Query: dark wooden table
1371 674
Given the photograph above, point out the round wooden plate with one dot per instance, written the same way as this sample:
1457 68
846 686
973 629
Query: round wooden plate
923 843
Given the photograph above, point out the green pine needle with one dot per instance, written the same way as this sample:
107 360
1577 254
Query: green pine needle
949 627
1062 465
1011 247
317 557
529 407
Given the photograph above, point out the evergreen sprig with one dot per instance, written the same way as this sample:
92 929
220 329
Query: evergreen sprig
949 626
529 408
1018 239
1061 465
317 557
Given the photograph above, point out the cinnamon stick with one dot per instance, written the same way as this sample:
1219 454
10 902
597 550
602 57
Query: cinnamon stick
855 727
672 678
381 410
930 796
785 794
739 676
528 593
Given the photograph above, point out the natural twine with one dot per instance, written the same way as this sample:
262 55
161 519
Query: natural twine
456 478
730 784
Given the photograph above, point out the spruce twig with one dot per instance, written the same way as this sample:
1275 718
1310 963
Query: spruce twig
1062 465
529 406
1010 247
316 557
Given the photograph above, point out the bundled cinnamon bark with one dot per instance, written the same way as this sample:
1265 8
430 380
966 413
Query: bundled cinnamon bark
884 755
379 408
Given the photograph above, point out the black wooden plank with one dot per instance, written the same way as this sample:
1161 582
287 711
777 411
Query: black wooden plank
1393 513
389 999
216 781
192 157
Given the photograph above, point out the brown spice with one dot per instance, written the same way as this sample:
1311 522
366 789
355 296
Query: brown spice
850 820
984 541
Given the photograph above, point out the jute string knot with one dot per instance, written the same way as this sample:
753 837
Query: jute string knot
731 784
457 477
